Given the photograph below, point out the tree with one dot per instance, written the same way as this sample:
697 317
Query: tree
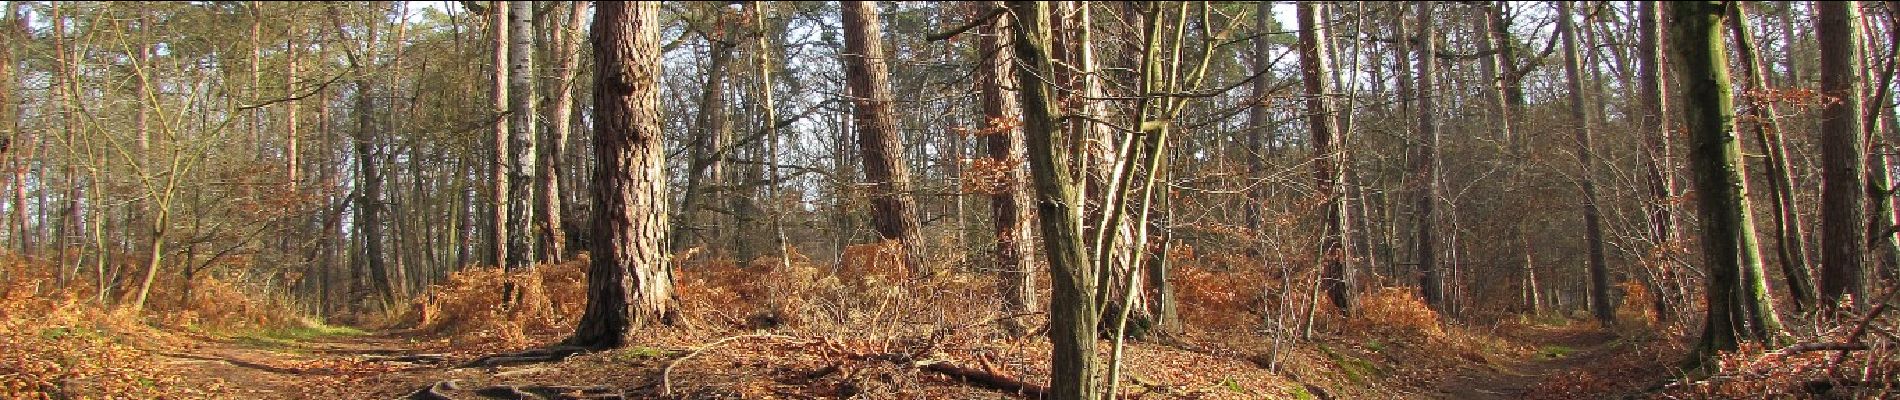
1432 285
1653 117
522 245
1715 156
1790 236
1328 156
893 211
567 46
1843 202
629 278
1009 200
498 103
1600 304
1072 308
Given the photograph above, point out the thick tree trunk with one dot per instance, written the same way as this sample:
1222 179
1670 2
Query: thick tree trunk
523 243
1009 200
893 211
1843 200
1600 304
1432 283
1072 310
1657 164
1728 236
1328 155
629 279
1790 236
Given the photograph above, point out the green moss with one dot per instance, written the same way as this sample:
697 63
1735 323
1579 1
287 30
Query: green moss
632 354
287 336
1300 393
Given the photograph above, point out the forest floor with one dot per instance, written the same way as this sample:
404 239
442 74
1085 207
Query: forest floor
382 365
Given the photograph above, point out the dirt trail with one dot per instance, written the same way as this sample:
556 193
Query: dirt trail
297 369
1556 353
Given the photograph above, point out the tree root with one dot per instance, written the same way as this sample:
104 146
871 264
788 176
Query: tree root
449 390
987 379
551 354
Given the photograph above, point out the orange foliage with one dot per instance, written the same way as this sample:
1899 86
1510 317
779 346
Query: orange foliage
1395 311
468 307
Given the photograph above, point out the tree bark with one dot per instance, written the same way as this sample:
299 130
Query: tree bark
1728 236
1790 236
1072 307
1009 200
893 211
1432 281
1328 156
629 278
498 103
1843 200
712 132
560 115
1600 304
523 244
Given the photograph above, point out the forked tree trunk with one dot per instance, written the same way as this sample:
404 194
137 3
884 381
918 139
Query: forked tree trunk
1790 236
1316 72
893 211
1072 310
629 278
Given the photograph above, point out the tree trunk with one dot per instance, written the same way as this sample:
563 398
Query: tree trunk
1600 304
1072 308
712 131
1843 200
567 45
1790 238
498 232
1009 199
1728 236
369 203
1432 283
523 243
629 279
1328 155
893 211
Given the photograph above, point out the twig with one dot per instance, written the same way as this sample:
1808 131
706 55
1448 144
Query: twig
666 381
967 26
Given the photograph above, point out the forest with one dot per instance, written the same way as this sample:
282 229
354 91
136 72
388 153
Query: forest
1066 200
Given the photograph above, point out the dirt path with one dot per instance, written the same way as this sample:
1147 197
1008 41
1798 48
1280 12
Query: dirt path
1559 351
323 367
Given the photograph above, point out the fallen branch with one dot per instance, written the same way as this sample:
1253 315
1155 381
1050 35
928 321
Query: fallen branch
666 374
987 379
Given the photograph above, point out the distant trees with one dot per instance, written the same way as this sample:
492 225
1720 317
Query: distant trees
1584 141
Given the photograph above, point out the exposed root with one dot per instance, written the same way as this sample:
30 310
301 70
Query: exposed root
451 390
551 354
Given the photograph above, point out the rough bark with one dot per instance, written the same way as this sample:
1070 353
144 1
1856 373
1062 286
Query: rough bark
1072 310
1843 202
629 278
1600 304
893 211
1009 201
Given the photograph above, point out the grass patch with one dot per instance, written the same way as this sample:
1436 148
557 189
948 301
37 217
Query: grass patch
1356 369
287 336
1555 352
